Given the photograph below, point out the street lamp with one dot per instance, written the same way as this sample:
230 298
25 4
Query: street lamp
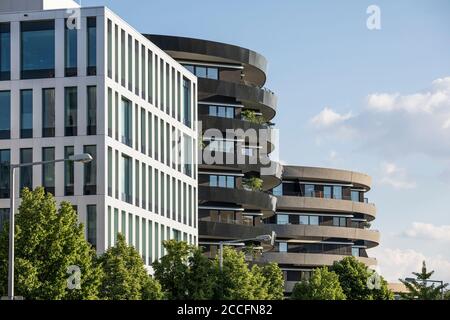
81 158
263 238
432 281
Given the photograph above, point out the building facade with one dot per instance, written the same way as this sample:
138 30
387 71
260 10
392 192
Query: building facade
82 80
319 215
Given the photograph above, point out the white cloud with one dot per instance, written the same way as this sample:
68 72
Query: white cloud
396 177
428 231
428 101
328 117
395 264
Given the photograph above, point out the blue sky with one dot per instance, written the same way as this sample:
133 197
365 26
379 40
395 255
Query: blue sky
375 101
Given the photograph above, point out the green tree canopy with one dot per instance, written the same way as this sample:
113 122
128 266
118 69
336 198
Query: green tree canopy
420 289
273 281
355 277
125 276
48 241
323 285
185 273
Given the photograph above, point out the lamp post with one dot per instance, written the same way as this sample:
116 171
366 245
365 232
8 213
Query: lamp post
263 238
432 281
82 158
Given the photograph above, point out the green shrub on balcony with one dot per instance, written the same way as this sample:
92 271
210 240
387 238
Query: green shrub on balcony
251 116
253 183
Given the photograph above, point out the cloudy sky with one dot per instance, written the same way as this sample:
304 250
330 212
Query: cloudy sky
376 101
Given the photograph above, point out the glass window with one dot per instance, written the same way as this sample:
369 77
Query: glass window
90 171
337 192
127 123
303 220
110 113
355 252
282 219
187 102
91 110
37 49
26 173
143 64
110 49
130 63
229 113
136 67
222 181
190 68
355 195
213 181
309 190
48 112
5 158
200 72
4 217
110 171
26 113
213 73
68 171
116 53
127 178
5 51
327 192
70 50
144 186
314 220
48 170
230 182
136 183
143 131
5 111
122 57
70 111
282 247
91 224
91 46
150 76
278 190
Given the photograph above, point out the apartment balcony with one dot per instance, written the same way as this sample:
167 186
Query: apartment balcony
309 259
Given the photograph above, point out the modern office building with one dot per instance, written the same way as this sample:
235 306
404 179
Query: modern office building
319 215
81 80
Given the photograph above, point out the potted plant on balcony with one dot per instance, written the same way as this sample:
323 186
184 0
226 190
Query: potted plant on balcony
251 116
253 183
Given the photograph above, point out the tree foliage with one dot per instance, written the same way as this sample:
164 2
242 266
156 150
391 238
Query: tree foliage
125 276
48 241
354 277
323 285
420 289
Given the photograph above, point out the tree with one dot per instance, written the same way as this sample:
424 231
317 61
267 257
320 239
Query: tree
323 285
355 277
49 246
447 295
273 280
125 276
419 289
185 273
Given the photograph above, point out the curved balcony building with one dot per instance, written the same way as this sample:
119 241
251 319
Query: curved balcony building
322 216
234 112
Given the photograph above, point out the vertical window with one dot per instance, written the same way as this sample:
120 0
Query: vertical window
282 219
26 173
5 111
161 83
90 171
124 223
110 171
5 51
187 102
156 189
48 112
127 123
150 135
150 188
116 53
70 50
163 189
110 43
150 242
178 96
5 158
144 186
172 91
282 247
156 241
156 138
116 112
157 84
91 46
130 63
130 229
136 67
26 113
91 224
137 228
278 190
37 49
354 195
116 175
48 170
136 183
355 252
309 190
110 113
127 178
122 58
143 87
168 196
70 111
143 131
150 76
68 171
91 110
144 241
136 126
337 192
167 88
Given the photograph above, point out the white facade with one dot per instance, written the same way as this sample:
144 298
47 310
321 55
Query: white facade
145 116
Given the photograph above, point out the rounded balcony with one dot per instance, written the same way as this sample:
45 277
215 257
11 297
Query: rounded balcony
296 203
228 231
254 65
248 199
309 259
